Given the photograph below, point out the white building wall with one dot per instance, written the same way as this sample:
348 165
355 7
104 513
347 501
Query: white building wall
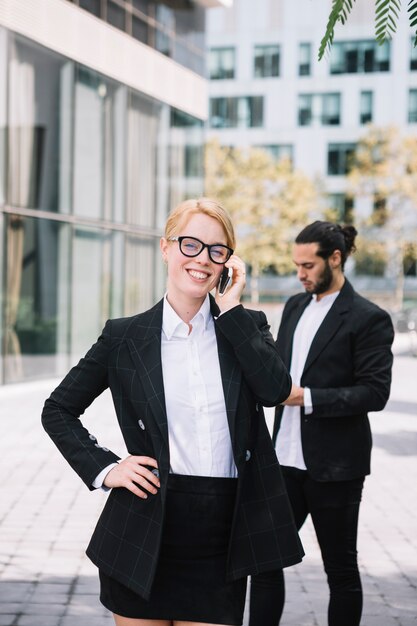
288 23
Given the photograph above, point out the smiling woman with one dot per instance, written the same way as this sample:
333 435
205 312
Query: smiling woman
199 501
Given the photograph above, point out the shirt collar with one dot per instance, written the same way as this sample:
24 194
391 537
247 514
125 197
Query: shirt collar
329 299
173 325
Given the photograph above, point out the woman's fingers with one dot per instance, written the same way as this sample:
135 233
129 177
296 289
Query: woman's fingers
135 474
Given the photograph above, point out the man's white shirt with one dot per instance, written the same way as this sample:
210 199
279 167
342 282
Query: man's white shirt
288 445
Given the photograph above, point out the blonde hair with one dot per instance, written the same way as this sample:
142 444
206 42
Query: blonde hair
180 215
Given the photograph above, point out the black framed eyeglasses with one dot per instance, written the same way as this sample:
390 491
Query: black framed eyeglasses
191 246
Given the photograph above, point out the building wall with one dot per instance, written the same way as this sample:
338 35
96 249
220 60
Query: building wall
89 167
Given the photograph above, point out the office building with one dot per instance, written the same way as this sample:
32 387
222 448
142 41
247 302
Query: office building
102 110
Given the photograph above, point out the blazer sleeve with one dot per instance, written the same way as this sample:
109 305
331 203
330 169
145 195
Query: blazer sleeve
255 349
372 360
62 410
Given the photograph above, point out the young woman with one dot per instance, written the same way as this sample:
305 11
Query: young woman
199 503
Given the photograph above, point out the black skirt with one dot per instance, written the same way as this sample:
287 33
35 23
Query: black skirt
190 581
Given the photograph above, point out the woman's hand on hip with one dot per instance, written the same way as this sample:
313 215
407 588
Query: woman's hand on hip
133 474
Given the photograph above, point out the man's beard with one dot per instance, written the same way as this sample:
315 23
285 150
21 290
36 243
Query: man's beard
324 282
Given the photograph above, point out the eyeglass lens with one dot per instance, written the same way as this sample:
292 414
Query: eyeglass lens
192 247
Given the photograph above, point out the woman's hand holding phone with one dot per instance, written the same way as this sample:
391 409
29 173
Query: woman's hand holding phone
231 284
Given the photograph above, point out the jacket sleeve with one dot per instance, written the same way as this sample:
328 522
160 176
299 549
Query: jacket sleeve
254 347
62 410
371 363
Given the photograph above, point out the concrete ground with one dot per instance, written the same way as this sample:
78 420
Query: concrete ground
47 516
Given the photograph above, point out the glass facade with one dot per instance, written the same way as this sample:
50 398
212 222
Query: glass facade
89 169
173 27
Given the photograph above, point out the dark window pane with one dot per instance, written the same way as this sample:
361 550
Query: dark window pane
351 60
140 29
141 5
115 15
369 61
93 6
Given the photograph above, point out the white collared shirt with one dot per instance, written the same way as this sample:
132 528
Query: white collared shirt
199 436
288 445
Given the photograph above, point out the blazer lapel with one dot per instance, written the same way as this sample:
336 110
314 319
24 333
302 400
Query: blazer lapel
331 324
231 375
145 349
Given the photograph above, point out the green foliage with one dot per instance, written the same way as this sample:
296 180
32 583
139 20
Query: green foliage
386 18
412 10
339 13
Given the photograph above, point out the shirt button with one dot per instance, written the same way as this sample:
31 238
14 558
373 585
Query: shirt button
256 407
141 424
248 455
92 438
105 449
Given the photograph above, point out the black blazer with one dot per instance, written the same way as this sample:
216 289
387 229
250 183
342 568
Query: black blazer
127 359
348 370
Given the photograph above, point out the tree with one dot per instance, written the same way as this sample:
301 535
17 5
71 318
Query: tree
268 202
384 172
386 18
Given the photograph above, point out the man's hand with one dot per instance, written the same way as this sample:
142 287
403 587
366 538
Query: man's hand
133 472
296 397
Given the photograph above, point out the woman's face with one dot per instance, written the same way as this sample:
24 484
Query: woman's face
193 277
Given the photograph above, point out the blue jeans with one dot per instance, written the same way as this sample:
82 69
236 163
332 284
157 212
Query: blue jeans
334 509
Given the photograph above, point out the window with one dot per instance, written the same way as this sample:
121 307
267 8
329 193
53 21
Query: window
365 107
357 57
339 158
279 151
323 109
266 61
92 6
115 15
241 112
412 106
413 55
222 63
343 205
304 59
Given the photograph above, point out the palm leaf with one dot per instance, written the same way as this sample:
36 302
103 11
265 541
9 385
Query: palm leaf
339 13
386 16
412 10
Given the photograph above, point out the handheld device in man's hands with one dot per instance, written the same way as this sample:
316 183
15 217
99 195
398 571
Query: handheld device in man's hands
225 280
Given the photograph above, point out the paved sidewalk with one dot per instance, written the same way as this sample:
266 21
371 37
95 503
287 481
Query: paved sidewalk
47 516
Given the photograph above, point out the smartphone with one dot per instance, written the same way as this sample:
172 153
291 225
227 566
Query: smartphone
225 280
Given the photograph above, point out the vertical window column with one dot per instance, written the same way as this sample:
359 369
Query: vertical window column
304 59
266 61
366 107
222 63
412 106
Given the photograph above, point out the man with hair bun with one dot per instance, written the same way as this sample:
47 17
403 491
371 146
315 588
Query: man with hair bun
337 346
